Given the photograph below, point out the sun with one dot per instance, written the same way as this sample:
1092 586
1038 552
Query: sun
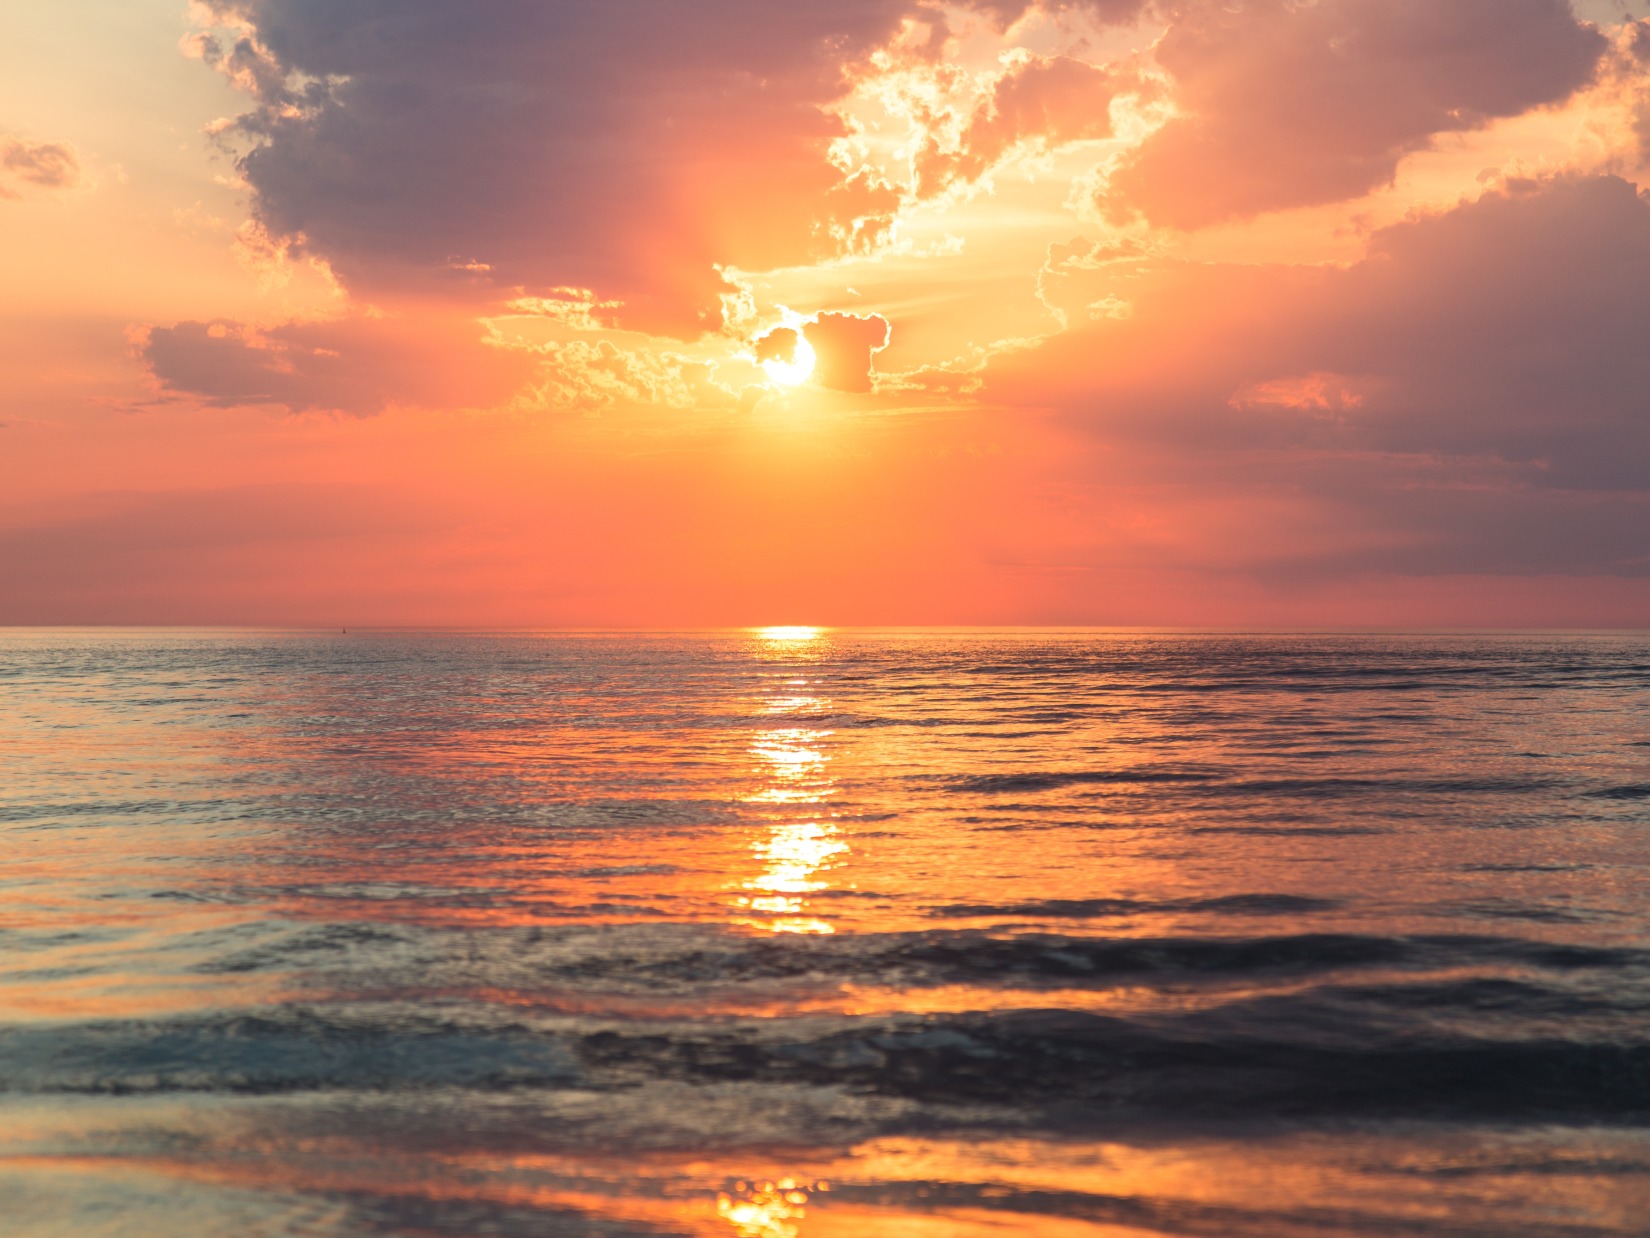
790 632
795 371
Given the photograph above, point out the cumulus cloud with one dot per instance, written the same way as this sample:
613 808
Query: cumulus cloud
778 345
593 375
1042 101
1288 104
623 146
48 165
843 345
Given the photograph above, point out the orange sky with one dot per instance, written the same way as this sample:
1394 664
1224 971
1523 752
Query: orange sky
859 311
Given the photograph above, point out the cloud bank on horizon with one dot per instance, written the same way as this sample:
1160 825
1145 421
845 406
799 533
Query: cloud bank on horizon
1113 311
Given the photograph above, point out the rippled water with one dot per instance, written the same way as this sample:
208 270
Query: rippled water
803 935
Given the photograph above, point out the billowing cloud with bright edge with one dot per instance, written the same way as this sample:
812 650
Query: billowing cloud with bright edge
860 311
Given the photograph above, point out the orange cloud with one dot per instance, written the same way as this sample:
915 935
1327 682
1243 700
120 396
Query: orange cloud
844 345
778 345
1041 102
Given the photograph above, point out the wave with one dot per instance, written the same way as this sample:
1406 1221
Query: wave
991 784
1231 1062
1633 791
1092 908
668 958
279 1050
1213 784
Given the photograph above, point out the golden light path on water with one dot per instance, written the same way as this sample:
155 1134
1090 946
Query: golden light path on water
794 854
795 771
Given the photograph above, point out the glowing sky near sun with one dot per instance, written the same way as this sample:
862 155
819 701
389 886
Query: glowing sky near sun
890 311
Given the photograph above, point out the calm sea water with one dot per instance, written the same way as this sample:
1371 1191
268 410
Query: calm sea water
811 935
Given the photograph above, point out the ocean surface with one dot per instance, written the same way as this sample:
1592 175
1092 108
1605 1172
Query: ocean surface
803 934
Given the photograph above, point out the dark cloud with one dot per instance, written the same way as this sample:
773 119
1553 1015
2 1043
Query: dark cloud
1007 12
626 146
1639 44
1290 104
357 365
843 344
1476 391
1513 326
1632 71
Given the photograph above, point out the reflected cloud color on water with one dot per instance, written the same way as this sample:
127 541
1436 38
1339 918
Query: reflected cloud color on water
797 933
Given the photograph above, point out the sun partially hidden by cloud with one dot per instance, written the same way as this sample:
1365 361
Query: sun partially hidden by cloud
1113 311
786 356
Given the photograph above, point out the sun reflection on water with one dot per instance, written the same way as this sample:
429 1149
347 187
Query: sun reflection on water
795 855
792 773
792 765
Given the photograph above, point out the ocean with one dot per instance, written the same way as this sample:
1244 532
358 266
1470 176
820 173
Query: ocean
794 933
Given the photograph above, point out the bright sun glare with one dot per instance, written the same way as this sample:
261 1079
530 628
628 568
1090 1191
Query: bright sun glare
789 632
796 370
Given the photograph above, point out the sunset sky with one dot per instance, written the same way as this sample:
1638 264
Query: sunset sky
702 312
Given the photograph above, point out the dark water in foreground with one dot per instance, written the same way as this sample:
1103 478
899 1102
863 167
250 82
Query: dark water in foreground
814 935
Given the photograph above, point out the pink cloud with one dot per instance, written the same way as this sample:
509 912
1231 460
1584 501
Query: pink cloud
47 165
1287 104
